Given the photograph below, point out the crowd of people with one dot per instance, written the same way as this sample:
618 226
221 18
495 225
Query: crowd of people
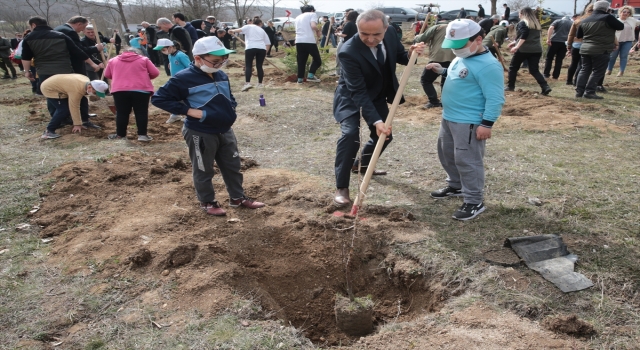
465 53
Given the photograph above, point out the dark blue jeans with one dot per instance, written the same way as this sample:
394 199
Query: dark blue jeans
59 109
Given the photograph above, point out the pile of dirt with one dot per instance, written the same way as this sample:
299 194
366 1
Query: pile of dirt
523 110
136 216
570 325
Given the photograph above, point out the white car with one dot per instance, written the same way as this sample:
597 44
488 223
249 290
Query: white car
283 23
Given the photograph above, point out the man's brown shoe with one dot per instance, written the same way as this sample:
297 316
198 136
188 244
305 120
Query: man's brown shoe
213 208
341 197
245 202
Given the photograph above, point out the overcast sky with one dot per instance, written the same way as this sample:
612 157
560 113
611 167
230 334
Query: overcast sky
341 5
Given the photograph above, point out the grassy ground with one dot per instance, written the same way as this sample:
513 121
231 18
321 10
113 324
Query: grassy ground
587 181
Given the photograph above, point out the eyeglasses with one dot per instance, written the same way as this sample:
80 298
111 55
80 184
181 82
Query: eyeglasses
625 11
216 64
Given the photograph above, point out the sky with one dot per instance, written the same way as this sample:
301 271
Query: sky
446 5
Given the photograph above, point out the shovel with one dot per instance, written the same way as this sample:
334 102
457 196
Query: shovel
376 152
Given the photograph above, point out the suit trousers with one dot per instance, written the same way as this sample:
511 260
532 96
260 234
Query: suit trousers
204 149
427 79
461 155
349 144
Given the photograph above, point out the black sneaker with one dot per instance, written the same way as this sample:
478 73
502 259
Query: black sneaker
432 105
446 192
90 125
508 88
601 89
468 211
592 97
546 90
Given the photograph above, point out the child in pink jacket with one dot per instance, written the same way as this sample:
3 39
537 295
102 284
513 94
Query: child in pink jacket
131 87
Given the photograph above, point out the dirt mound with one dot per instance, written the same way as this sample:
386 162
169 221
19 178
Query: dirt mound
136 216
570 325
524 110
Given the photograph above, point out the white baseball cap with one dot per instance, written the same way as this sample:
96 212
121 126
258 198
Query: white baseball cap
210 45
162 43
100 86
458 33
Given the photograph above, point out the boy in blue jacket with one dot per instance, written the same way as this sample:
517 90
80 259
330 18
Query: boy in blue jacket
202 92
472 101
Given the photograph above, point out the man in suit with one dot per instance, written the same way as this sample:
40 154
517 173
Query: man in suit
75 25
368 82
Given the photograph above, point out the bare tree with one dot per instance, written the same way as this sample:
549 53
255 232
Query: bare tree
241 9
273 4
214 6
42 7
17 17
116 5
494 7
193 8
517 5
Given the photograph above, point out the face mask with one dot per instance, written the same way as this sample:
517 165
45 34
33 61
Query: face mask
208 69
464 52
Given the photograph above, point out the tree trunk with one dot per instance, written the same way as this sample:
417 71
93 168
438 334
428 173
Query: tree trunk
123 18
494 8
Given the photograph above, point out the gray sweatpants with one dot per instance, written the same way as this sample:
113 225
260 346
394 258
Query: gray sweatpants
461 156
203 150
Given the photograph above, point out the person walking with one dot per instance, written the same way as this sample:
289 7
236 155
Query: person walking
573 47
480 12
131 87
556 46
472 101
367 83
507 12
211 112
625 39
434 37
598 34
178 61
5 55
257 43
527 48
271 33
306 43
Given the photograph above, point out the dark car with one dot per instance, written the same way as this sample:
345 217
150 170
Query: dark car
453 14
402 14
546 14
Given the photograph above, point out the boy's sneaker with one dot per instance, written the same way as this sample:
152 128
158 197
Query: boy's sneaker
446 192
313 79
49 135
468 211
245 202
246 87
144 138
114 137
90 125
173 118
259 86
213 208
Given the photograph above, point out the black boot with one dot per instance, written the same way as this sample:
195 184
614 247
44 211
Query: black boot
546 89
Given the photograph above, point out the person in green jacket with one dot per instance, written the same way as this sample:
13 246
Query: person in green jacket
498 33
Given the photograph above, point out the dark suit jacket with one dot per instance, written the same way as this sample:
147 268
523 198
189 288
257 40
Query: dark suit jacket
361 79
76 61
14 43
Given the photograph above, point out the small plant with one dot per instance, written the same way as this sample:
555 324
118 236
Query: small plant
95 344
291 62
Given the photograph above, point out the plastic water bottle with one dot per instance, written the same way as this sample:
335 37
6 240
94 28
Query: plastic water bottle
262 101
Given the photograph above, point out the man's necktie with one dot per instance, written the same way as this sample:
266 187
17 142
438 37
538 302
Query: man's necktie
380 55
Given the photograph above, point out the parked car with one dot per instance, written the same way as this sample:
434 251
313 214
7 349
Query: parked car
339 16
453 14
232 25
283 23
546 14
402 14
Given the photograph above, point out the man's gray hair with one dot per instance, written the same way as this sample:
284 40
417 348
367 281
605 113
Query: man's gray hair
372 15
498 17
163 20
601 5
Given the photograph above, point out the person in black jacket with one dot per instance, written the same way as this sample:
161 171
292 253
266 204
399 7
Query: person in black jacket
200 27
152 40
463 13
481 13
271 33
75 25
367 83
488 23
598 34
507 12
117 41
90 41
225 37
177 33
